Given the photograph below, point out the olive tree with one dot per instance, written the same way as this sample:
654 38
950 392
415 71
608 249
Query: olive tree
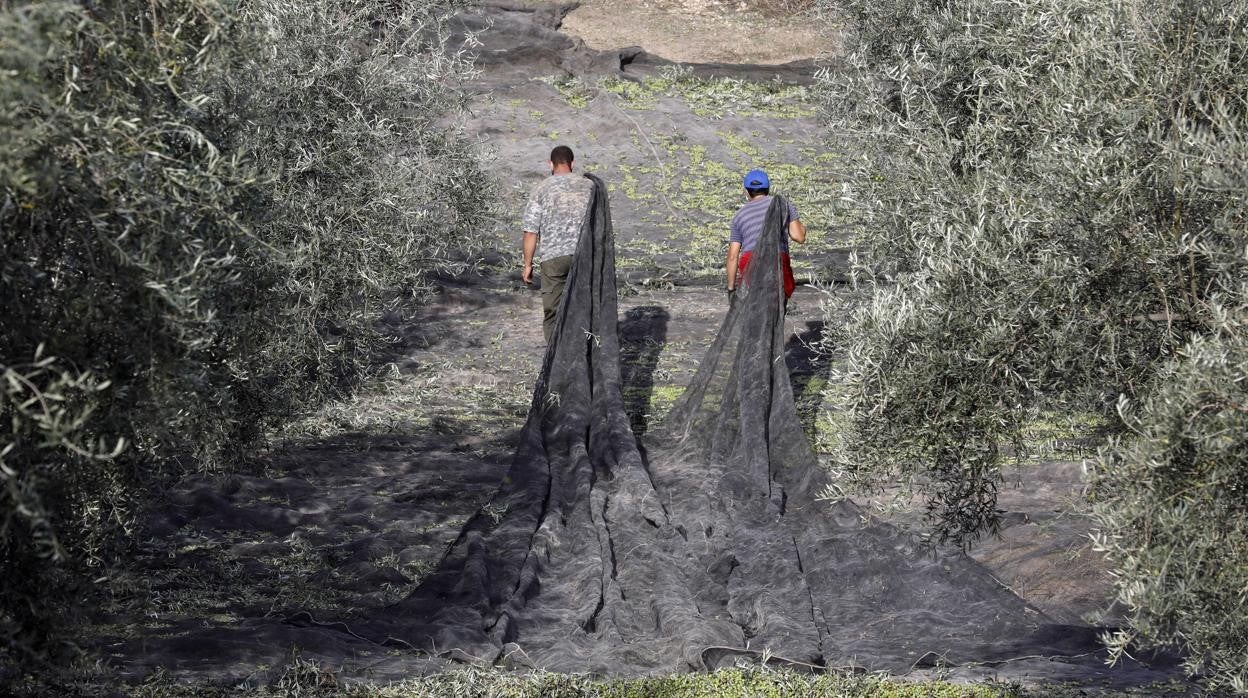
203 206
1052 200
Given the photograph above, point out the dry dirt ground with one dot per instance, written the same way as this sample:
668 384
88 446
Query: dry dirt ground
704 31
240 575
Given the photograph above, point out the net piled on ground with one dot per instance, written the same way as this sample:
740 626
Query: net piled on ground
593 558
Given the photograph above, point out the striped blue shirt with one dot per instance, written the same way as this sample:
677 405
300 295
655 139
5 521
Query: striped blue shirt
747 225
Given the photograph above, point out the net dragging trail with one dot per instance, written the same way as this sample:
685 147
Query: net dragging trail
590 558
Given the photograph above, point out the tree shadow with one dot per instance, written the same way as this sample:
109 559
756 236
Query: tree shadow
643 335
809 368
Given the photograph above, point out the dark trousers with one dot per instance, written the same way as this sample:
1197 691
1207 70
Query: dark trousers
554 277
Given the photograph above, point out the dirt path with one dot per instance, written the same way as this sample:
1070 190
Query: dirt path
239 575
671 140
704 31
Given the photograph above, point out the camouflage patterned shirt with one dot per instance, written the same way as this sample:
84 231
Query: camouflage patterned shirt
556 211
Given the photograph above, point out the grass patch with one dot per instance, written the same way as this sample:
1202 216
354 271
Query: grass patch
303 677
392 403
1062 436
652 403
706 97
693 196
689 191
713 97
574 91
784 8
415 401
662 397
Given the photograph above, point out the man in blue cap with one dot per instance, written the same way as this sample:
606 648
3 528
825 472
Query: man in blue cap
747 228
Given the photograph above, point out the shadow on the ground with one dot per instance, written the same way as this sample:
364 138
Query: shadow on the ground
809 367
236 569
643 334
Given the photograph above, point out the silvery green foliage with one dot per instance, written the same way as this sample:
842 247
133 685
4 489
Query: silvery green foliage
1171 495
1053 196
44 434
1171 491
205 204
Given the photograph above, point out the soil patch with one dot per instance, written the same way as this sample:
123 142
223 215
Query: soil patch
703 31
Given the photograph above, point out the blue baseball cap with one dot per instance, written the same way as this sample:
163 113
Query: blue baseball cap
757 179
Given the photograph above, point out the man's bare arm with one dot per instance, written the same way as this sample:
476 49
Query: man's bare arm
530 246
797 231
730 264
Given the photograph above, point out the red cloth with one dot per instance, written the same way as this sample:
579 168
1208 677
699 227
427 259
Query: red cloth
789 282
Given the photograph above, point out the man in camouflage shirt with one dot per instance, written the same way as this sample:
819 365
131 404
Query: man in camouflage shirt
555 213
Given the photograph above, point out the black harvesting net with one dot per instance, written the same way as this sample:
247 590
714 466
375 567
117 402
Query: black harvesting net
590 558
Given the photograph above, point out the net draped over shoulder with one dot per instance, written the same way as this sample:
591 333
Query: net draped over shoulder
590 558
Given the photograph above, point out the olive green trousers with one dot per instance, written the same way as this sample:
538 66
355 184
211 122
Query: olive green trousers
554 278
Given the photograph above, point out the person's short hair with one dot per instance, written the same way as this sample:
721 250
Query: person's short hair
761 190
561 155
